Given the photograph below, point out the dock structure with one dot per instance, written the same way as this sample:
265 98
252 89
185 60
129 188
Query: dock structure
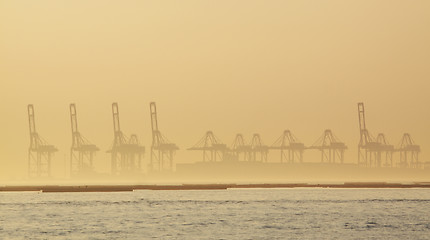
40 152
126 153
82 151
162 150
213 149
290 147
409 152
331 148
378 152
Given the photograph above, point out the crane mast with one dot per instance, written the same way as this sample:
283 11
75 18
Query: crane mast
154 120
115 114
74 125
154 125
119 137
32 127
362 124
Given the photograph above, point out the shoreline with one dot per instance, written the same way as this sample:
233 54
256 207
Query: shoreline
130 188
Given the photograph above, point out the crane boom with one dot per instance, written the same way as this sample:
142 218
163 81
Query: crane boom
115 113
154 124
361 117
154 120
73 118
32 124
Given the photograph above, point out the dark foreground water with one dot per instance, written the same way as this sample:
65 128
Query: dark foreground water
218 214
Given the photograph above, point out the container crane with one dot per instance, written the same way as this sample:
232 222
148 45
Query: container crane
370 151
409 152
211 147
40 152
290 147
258 149
126 154
162 150
385 151
239 148
82 151
331 148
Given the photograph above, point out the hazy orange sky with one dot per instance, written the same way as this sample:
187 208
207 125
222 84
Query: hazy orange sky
226 66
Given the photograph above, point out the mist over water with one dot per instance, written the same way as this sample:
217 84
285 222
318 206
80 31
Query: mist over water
230 67
221 214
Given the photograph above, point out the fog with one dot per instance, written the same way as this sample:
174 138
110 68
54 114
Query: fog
227 66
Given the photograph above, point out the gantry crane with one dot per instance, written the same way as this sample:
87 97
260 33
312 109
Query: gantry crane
384 152
40 152
330 146
239 148
370 151
409 152
126 154
259 151
161 149
290 147
212 148
82 151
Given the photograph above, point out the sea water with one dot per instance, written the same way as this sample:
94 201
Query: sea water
218 214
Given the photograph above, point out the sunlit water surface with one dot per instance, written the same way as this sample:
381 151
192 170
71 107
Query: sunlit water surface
218 214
